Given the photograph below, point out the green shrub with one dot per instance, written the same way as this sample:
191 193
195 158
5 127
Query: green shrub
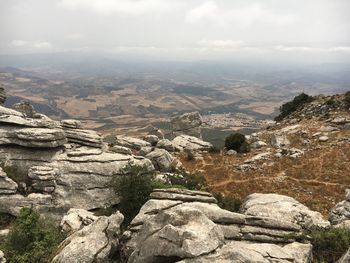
214 149
237 142
227 202
31 239
347 98
156 184
134 188
293 105
329 244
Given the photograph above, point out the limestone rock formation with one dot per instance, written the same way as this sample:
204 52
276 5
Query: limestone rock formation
340 214
188 225
191 143
7 185
152 139
2 257
282 208
76 219
187 124
120 149
279 140
93 243
130 142
26 108
161 159
167 145
57 165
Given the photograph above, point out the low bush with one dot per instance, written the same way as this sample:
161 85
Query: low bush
293 105
32 239
237 142
228 202
347 98
329 244
214 149
133 188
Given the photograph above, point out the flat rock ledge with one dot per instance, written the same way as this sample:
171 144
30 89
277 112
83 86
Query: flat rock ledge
189 226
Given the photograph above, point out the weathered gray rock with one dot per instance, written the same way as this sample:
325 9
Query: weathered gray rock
161 159
340 214
187 124
192 143
167 145
323 138
76 219
84 137
26 108
152 139
231 152
93 243
182 232
130 142
282 208
145 150
278 140
121 149
7 185
258 144
159 232
260 253
43 178
340 120
71 124
32 137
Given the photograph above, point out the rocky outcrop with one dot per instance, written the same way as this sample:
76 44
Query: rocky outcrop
188 225
161 160
279 140
152 139
93 243
43 178
167 145
26 108
120 149
187 124
7 185
57 165
340 214
130 142
76 219
282 208
191 143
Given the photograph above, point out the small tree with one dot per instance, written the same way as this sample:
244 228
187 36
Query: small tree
134 188
237 142
293 105
32 239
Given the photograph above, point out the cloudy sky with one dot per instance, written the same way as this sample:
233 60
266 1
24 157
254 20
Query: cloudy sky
310 30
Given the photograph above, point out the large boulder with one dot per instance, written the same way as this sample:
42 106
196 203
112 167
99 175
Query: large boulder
76 219
26 108
340 214
278 140
191 143
282 208
236 251
187 124
130 142
7 185
161 159
172 224
183 232
93 243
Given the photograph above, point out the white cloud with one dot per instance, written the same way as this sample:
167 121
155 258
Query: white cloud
42 45
241 17
107 7
31 44
18 43
221 44
309 49
74 36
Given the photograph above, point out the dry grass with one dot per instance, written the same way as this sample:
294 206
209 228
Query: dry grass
318 179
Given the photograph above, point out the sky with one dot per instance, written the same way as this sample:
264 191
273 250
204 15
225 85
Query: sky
315 31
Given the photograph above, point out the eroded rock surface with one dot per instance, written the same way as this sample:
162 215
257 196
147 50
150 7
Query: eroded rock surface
191 143
187 124
340 214
189 226
282 208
